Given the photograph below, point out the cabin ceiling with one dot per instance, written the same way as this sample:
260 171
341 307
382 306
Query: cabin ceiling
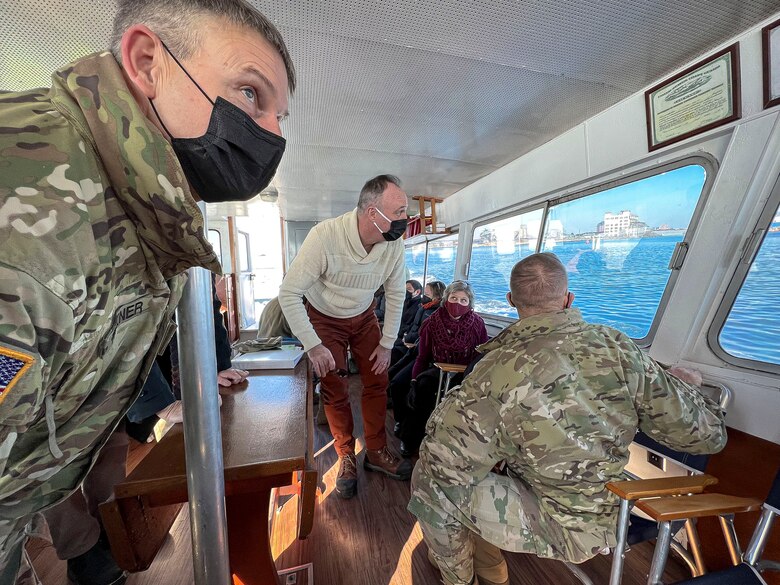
439 92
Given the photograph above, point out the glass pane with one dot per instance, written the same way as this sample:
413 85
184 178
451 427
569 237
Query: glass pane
442 254
216 243
752 329
497 246
243 251
415 262
264 230
616 245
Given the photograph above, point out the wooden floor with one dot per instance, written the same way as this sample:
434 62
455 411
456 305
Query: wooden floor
369 540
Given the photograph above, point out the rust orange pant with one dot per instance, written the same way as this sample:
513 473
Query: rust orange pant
361 334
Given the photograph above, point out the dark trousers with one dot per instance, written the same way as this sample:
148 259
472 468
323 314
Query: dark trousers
361 334
409 356
74 523
422 400
399 391
399 351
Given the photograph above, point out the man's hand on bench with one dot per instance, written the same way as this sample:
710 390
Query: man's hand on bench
231 376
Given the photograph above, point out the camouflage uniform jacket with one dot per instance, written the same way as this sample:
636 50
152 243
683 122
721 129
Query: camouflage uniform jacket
559 400
96 224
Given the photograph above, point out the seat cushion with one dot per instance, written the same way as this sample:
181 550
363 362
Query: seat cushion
742 574
641 530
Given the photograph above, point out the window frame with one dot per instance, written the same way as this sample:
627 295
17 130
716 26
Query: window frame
702 159
243 238
491 318
219 241
750 250
425 239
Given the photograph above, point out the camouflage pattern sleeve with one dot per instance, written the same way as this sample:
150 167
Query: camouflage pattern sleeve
466 436
675 413
35 329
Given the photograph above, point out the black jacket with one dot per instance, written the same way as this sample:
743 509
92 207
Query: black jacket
157 392
409 315
413 335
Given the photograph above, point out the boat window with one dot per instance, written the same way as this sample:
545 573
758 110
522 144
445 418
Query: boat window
260 255
442 254
618 245
495 248
415 261
748 321
215 239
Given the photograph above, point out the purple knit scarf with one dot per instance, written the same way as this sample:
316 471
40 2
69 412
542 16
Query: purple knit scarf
453 342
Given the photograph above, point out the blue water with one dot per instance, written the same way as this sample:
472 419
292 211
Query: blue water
752 330
621 285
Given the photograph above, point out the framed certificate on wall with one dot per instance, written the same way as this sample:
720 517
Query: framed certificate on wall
770 38
703 96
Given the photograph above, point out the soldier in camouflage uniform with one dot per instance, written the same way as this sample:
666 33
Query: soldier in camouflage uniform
559 401
98 221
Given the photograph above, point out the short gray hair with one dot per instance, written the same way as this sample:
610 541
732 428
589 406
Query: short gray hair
462 286
176 22
373 189
538 281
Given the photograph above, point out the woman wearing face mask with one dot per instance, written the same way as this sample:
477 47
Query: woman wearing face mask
451 335
429 302
405 353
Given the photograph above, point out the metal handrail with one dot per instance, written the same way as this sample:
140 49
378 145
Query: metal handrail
203 429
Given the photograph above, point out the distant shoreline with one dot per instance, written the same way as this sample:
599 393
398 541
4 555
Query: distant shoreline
575 239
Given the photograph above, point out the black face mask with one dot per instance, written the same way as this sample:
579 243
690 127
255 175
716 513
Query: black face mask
426 299
234 160
397 228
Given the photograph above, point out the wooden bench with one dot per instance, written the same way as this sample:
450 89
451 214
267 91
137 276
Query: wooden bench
267 433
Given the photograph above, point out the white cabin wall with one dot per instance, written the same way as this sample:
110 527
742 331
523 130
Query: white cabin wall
613 144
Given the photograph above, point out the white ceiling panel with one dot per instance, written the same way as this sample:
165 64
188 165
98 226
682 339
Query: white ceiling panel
440 92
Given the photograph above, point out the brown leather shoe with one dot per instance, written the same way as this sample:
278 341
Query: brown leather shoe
346 480
384 461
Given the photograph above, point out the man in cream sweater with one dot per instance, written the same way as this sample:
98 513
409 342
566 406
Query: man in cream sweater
339 266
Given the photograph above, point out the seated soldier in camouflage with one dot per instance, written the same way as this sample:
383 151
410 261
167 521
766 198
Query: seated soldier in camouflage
559 400
98 219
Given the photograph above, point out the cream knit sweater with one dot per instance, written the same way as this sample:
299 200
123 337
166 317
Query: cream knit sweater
338 278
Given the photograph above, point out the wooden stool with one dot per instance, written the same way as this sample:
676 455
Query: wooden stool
449 369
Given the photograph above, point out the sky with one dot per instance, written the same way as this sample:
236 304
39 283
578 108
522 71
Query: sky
668 198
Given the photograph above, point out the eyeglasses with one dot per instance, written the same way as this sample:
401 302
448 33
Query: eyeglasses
461 282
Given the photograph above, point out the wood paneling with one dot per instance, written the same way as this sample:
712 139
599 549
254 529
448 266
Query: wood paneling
746 467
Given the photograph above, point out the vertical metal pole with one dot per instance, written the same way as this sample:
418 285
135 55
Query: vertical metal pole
660 554
441 381
730 534
760 535
202 429
694 545
619 555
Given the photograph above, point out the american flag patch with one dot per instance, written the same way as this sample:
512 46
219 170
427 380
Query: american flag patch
13 365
